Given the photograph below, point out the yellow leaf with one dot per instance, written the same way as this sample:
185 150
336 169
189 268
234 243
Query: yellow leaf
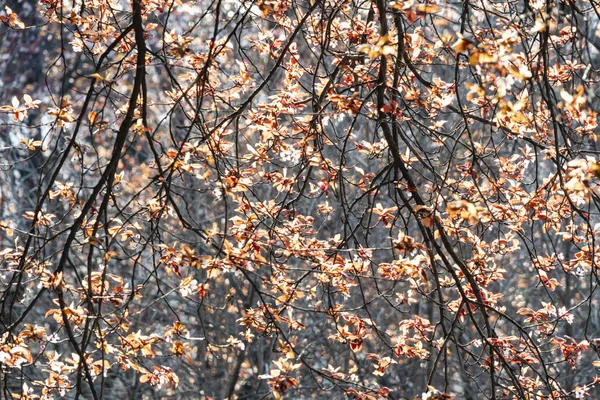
454 208
92 117
96 76
481 57
462 45
465 209
595 169
426 9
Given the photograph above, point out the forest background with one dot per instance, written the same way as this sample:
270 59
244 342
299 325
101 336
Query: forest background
251 199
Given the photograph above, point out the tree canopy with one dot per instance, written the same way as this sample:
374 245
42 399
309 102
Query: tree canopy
246 199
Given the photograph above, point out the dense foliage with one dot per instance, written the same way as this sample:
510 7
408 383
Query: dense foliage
253 199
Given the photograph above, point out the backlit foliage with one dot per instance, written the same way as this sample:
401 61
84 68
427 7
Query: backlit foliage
299 199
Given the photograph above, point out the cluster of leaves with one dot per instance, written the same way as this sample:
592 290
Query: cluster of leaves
291 198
